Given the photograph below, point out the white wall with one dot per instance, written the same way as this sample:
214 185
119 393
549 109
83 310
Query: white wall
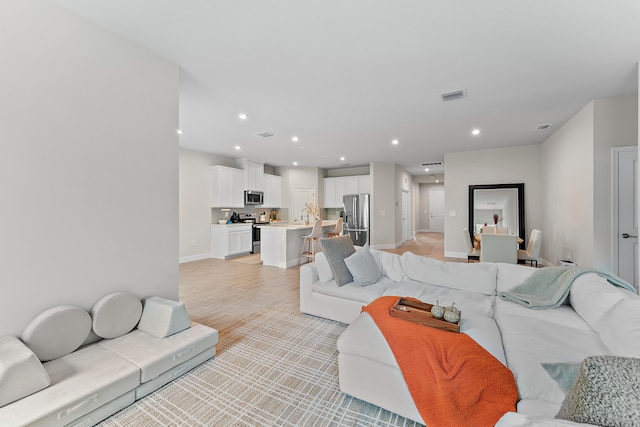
511 165
88 165
577 217
615 125
383 209
195 202
568 184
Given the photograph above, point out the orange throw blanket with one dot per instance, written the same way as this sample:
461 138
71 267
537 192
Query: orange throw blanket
452 379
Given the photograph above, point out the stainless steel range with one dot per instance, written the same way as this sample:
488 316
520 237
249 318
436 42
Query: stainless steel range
255 235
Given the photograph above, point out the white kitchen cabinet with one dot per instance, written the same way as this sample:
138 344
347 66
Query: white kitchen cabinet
272 191
336 187
230 239
253 174
352 185
227 187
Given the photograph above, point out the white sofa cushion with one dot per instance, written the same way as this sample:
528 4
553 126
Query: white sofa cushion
163 317
21 373
475 277
325 274
166 352
532 337
392 266
620 330
57 332
511 275
80 382
352 291
116 314
467 302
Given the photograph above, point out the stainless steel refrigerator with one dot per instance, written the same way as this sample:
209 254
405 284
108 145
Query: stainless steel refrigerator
356 217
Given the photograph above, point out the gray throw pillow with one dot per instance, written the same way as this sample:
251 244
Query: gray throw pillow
606 393
336 249
563 373
363 267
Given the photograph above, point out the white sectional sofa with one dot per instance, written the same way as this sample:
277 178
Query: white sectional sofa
598 319
46 380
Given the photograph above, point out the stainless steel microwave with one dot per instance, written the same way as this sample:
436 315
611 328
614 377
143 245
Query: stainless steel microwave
253 197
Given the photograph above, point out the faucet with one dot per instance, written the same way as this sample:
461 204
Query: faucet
302 216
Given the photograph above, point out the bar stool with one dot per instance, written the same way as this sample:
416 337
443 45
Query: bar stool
336 232
310 242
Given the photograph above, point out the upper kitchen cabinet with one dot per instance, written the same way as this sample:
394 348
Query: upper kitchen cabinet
336 187
253 174
227 187
272 191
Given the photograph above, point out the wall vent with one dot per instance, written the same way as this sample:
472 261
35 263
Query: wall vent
265 134
432 164
456 94
543 127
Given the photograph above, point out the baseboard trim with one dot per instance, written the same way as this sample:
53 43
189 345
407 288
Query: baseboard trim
191 258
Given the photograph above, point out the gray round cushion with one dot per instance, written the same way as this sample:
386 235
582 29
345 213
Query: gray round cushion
57 332
116 314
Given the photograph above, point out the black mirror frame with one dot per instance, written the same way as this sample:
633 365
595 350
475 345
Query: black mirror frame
521 216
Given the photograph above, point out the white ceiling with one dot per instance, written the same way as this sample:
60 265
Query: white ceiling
348 76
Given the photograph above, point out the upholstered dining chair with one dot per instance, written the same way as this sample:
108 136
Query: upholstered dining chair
533 248
488 229
499 248
502 230
310 242
472 253
337 231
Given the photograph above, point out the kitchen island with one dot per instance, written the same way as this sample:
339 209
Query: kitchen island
281 243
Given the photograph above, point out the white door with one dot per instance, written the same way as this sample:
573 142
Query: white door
301 196
436 210
405 215
626 213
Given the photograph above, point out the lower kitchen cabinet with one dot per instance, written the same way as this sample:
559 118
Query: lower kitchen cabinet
230 239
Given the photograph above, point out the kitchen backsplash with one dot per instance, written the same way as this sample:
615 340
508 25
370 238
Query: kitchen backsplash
217 214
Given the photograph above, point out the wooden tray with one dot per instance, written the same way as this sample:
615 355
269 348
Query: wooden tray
420 312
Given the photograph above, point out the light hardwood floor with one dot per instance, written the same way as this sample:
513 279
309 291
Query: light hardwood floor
218 293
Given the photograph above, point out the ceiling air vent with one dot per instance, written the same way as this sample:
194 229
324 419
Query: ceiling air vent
456 94
543 127
432 164
265 134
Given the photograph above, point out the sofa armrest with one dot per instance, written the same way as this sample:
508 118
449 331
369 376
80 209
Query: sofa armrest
308 276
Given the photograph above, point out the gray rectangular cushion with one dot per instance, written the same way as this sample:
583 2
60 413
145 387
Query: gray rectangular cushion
170 375
154 355
80 383
336 249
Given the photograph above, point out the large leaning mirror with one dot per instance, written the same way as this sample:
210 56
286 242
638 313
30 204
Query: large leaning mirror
497 205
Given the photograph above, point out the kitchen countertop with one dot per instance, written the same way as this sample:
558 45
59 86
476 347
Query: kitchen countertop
299 226
234 224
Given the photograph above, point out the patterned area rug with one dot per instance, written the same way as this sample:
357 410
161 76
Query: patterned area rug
274 369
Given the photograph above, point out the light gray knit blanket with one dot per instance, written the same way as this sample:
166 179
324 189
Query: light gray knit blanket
549 287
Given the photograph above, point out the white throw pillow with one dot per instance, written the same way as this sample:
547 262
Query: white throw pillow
116 314
363 267
325 274
392 266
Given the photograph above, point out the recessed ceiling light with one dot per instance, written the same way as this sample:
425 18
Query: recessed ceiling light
243 116
342 159
426 169
179 131
437 180
295 163
294 139
475 132
237 147
395 142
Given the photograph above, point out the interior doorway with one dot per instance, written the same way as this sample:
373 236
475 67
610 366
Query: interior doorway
300 197
405 215
625 213
436 210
